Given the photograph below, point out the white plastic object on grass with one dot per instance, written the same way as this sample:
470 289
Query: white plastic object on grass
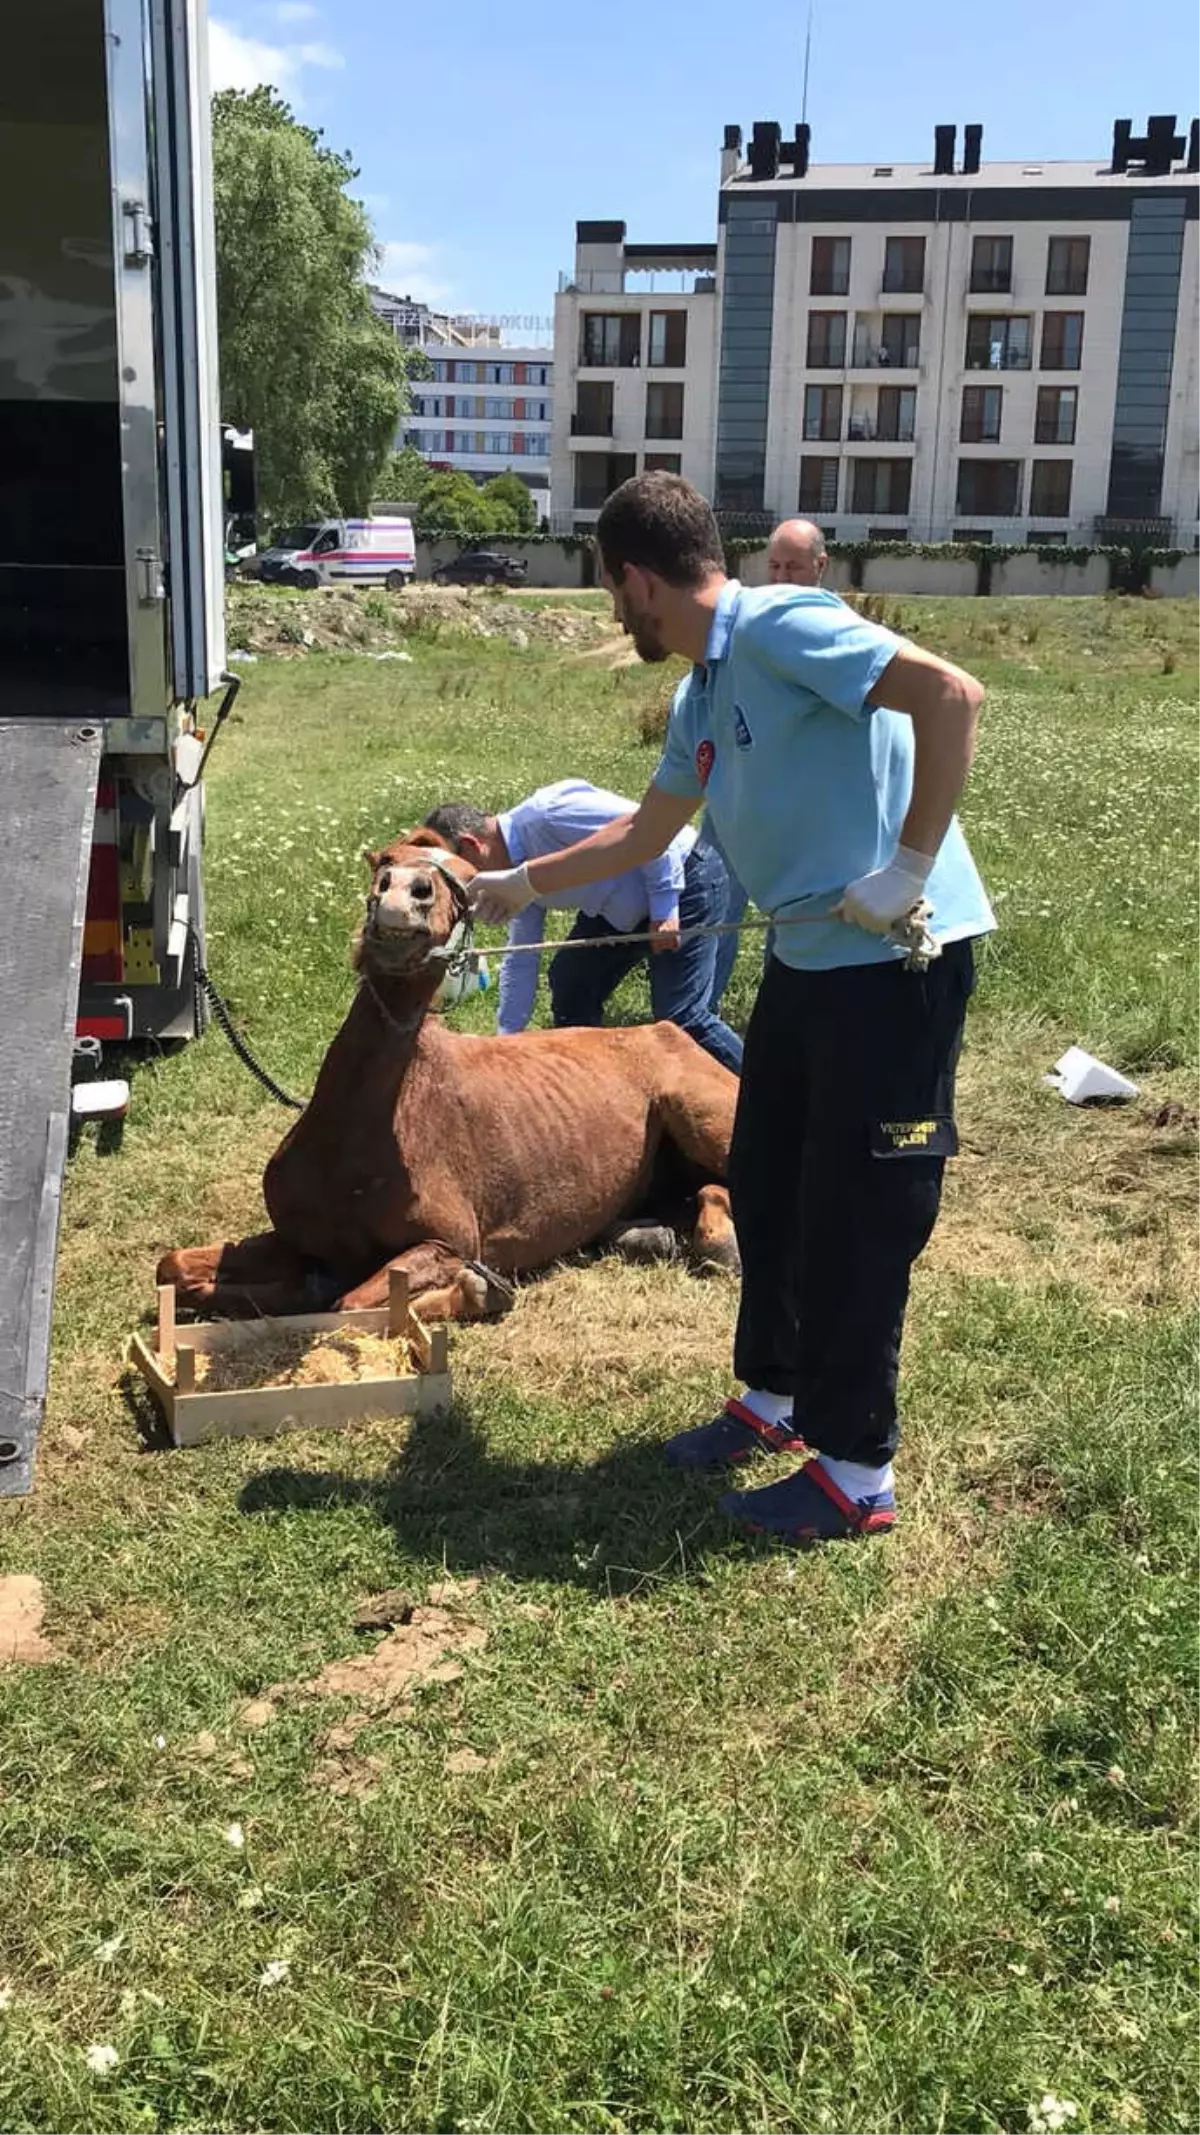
1082 1079
100 1100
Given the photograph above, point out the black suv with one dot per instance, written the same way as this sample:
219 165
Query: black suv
481 567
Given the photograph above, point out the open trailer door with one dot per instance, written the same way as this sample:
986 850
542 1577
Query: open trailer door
48 772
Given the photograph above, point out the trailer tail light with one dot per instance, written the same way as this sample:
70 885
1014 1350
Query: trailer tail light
103 956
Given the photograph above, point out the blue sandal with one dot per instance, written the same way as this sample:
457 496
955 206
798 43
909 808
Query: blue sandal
734 1436
809 1507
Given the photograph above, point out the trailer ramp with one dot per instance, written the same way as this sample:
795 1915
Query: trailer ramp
48 771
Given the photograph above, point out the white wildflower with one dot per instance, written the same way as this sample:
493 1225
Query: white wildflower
1052 2115
160 1742
274 1974
235 1837
7 1997
106 1951
251 1898
102 2059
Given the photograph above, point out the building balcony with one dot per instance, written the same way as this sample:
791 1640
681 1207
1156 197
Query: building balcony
991 282
893 293
867 430
868 354
591 426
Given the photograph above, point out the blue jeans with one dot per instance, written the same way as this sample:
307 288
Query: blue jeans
681 980
735 905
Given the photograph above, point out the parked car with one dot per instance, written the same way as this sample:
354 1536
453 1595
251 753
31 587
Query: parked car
482 567
354 552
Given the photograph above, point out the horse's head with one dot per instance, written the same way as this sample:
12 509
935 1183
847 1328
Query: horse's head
416 900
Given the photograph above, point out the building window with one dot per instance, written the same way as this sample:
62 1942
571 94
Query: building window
593 415
818 485
904 266
1044 537
538 445
998 344
664 411
900 346
537 374
989 487
496 442
823 411
882 486
991 265
499 373
1067 260
611 339
887 533
1054 423
661 463
466 373
980 535
1050 489
495 410
597 474
826 340
668 339
897 414
441 371
829 275
1062 340
980 423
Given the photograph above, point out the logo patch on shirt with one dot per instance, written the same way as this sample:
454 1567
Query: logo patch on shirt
741 732
705 758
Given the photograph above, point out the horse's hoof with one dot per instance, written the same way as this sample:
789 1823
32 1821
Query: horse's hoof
720 1256
644 1242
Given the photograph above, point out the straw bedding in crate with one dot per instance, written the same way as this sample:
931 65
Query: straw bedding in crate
252 1378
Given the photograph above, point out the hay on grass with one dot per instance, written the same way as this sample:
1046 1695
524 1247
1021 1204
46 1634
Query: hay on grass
275 1355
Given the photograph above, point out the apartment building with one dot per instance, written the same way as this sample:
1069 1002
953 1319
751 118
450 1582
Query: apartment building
486 407
924 352
635 342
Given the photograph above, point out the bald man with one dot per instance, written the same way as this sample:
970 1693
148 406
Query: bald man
795 557
796 554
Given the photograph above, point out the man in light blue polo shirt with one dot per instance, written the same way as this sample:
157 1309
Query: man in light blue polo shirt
831 755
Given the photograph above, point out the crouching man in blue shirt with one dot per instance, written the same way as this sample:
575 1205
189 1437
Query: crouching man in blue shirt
682 886
831 755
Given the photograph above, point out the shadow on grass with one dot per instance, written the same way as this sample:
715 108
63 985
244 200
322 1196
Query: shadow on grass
615 1524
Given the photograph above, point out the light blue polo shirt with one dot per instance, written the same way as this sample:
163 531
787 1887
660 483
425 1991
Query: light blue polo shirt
807 784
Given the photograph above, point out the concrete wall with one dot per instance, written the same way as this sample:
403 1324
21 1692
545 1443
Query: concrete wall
550 564
1177 578
919 574
1029 574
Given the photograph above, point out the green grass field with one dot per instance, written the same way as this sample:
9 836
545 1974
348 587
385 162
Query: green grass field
893 1838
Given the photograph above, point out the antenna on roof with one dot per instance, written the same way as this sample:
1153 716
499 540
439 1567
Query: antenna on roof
807 56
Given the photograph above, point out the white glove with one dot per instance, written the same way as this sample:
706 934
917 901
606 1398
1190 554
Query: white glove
496 898
878 901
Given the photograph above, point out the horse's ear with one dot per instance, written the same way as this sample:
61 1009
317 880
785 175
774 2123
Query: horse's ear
424 836
371 860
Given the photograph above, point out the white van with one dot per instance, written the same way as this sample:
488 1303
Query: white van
341 552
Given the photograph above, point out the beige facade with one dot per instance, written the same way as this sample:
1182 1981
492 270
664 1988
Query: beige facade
1005 351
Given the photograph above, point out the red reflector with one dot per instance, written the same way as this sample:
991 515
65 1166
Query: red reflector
101 1027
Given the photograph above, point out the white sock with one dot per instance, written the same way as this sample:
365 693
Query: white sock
769 1408
854 1480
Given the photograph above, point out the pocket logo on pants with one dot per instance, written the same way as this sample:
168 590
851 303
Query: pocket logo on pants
914 1137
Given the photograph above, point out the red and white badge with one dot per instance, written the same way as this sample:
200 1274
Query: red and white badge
705 758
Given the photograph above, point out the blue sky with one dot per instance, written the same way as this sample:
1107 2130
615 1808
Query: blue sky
482 130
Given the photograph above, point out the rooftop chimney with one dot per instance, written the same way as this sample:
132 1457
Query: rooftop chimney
764 149
1193 154
943 151
731 151
796 152
1151 153
972 144
1122 129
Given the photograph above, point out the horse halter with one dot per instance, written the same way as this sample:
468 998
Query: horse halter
454 953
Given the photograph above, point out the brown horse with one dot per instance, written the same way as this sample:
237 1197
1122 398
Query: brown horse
457 1157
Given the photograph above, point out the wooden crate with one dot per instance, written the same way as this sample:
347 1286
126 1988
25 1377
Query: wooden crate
259 1412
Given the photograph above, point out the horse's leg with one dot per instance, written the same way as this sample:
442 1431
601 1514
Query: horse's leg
695 1105
714 1240
440 1285
254 1277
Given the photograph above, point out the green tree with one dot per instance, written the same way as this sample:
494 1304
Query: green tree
305 363
509 493
450 503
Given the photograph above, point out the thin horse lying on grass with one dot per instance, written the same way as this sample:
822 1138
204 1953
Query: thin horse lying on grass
452 1156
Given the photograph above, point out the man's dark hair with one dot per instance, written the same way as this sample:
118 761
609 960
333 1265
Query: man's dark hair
457 819
659 522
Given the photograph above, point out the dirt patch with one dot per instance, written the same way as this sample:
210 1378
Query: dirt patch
22 1606
279 621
